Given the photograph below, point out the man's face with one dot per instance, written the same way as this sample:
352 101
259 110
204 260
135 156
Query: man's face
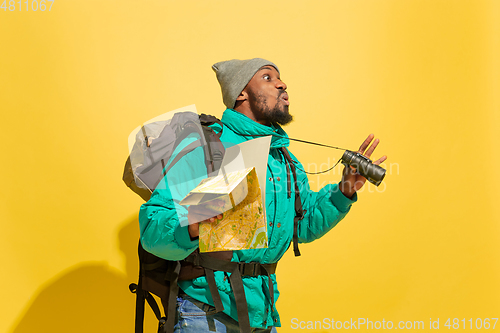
268 98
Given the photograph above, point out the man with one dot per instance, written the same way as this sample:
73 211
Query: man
257 104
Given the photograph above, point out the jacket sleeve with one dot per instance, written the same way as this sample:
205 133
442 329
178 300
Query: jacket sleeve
163 222
324 209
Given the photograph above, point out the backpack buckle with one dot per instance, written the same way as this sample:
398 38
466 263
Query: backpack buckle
248 268
161 324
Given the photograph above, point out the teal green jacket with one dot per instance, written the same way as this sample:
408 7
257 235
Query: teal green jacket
163 235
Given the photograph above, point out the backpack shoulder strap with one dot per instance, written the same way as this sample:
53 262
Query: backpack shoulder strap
299 211
215 149
207 120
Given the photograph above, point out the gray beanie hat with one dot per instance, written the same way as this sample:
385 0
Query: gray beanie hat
234 75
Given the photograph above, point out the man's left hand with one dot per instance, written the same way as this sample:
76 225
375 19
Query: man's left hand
352 181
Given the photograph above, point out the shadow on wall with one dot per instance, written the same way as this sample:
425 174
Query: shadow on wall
90 297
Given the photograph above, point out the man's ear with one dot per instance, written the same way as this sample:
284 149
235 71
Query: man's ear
243 96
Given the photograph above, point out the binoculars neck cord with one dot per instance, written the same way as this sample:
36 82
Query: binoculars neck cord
303 141
363 165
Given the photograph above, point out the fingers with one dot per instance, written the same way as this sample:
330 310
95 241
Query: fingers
372 148
380 160
218 217
365 144
350 170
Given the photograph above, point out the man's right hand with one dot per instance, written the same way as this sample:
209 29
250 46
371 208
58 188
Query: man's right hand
198 214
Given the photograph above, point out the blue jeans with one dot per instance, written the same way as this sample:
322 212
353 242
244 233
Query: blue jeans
197 317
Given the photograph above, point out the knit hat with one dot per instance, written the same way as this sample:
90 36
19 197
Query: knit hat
234 75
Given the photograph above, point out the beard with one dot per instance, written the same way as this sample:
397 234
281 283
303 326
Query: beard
278 114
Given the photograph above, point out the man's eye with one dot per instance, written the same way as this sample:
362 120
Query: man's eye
266 77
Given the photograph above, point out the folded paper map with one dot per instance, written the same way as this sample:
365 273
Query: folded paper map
238 196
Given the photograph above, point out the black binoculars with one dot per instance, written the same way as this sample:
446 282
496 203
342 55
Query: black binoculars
373 173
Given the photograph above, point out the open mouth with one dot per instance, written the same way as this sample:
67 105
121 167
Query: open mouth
284 98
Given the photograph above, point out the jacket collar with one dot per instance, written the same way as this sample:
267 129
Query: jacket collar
246 127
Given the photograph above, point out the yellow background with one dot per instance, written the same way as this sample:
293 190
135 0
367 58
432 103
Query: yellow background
422 75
